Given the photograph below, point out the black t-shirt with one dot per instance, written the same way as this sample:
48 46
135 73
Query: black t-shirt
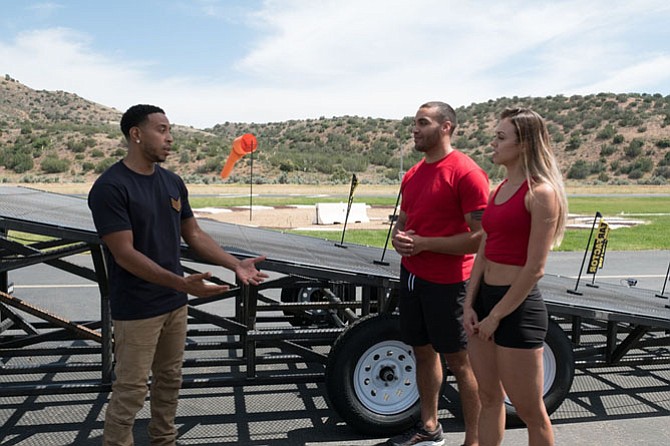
152 207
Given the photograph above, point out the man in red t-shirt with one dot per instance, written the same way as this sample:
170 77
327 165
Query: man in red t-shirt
437 233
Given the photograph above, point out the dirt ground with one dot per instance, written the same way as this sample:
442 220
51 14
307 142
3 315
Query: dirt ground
241 189
303 217
572 188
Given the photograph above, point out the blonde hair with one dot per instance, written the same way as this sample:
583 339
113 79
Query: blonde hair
538 158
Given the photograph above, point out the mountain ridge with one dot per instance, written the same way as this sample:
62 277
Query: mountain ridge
604 138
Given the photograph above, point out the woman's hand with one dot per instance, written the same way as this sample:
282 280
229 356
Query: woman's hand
470 321
487 327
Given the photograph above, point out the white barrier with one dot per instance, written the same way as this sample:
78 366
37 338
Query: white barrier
333 213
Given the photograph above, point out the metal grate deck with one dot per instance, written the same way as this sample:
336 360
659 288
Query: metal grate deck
606 302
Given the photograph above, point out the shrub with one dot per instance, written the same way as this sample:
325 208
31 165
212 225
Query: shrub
656 181
20 163
591 123
211 165
607 150
614 165
634 148
596 167
355 163
286 166
574 143
76 146
53 164
663 171
579 170
104 164
645 164
607 132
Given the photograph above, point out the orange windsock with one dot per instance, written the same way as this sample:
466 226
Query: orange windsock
241 146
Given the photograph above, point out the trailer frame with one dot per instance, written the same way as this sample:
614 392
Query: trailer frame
265 340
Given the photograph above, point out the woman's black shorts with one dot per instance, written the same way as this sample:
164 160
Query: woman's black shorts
525 327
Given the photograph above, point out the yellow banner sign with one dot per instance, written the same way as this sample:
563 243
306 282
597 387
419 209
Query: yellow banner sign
599 247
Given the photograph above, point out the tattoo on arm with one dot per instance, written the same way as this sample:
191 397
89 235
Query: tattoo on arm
477 215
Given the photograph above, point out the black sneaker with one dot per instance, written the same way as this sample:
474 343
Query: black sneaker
418 436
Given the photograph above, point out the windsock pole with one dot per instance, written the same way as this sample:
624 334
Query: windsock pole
251 185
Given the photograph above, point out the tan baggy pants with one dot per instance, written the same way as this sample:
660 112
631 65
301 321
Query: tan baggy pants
142 346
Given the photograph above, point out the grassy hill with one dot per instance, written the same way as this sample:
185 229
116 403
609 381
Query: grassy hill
48 136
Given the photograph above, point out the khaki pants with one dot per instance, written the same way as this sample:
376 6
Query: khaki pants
142 346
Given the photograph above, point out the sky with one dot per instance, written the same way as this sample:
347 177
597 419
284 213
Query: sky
207 62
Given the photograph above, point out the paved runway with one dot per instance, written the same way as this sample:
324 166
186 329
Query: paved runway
607 406
613 407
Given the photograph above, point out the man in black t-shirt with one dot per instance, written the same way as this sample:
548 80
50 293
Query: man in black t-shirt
141 212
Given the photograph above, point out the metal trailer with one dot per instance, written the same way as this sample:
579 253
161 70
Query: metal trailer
326 315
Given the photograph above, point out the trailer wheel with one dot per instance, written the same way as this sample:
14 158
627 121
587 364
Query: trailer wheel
559 371
304 294
370 377
315 316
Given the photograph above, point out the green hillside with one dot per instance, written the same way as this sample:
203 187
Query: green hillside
48 136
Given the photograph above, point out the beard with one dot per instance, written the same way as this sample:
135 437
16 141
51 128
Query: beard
426 142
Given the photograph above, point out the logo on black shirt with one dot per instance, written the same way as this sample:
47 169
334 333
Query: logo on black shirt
176 204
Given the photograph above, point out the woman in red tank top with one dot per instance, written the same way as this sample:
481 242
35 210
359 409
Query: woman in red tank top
504 314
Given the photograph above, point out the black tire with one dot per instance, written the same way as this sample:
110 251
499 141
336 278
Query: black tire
301 318
559 371
370 377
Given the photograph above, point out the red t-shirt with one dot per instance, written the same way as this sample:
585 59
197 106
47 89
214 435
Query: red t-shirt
435 198
507 227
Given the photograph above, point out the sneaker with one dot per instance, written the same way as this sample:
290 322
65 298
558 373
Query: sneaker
418 436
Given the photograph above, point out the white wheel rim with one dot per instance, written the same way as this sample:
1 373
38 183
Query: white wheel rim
549 365
385 378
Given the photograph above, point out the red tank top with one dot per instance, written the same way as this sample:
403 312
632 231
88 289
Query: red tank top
507 227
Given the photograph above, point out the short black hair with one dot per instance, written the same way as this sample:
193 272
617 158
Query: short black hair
444 113
135 115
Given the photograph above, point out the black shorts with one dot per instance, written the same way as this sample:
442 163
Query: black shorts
432 313
526 327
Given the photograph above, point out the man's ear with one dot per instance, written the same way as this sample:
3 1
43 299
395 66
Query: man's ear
134 133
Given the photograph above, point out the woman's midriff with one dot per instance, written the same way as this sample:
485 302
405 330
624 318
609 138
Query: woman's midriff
496 274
